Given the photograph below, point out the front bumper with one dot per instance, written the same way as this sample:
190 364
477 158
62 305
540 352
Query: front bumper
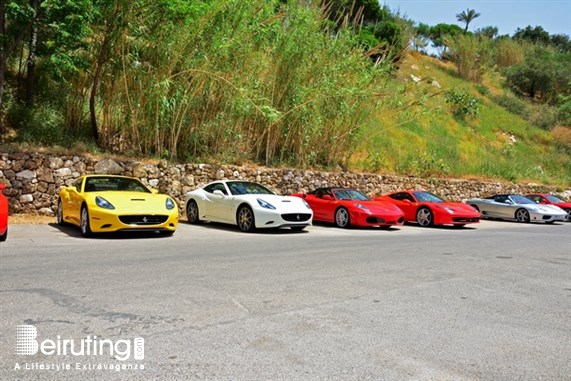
456 219
542 217
369 219
274 219
102 221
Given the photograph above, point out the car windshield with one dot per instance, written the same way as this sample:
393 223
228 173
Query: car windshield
125 184
554 199
427 197
518 199
349 194
246 187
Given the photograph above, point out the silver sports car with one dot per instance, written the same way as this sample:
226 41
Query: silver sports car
516 207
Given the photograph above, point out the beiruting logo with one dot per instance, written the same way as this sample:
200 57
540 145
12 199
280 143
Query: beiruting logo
27 344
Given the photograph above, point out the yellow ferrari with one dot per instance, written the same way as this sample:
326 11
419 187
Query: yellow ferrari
106 203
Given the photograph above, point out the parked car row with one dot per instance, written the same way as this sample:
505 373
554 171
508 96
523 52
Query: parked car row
109 203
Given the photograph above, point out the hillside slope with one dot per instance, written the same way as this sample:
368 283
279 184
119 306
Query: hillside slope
416 133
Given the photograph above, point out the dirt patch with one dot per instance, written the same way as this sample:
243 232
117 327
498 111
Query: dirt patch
35 219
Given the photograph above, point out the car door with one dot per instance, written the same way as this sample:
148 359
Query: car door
503 207
214 203
74 200
323 205
406 203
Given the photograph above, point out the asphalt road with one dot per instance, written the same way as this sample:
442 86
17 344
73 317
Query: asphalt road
486 303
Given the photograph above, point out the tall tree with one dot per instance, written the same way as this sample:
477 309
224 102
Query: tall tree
467 16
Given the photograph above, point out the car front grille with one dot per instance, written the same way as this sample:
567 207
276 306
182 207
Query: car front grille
143 219
458 219
296 217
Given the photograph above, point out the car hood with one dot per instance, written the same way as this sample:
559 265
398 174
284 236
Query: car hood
546 209
134 202
281 203
457 207
375 207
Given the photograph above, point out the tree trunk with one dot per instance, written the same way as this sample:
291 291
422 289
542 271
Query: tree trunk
31 62
92 98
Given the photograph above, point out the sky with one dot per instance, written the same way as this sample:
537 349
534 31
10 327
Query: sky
508 15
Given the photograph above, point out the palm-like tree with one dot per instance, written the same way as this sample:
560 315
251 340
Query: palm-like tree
467 16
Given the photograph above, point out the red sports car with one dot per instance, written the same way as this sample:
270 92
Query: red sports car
550 199
348 207
3 214
427 209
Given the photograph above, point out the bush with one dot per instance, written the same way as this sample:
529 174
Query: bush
562 137
40 125
513 104
508 52
484 90
462 103
544 116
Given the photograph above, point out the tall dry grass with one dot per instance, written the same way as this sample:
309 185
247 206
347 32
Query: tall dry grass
239 81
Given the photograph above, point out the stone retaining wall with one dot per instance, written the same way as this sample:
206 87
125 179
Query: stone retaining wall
34 180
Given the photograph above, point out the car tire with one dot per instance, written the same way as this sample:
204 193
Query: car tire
424 217
475 207
4 236
59 215
568 216
522 215
192 212
342 218
84 222
245 219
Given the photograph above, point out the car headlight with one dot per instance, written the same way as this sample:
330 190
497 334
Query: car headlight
306 204
265 204
103 203
447 208
363 207
169 203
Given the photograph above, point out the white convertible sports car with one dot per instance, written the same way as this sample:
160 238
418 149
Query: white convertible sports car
246 204
516 207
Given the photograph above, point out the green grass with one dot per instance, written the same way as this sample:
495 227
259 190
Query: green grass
427 139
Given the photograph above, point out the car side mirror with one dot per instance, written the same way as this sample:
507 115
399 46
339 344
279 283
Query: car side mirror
71 189
407 201
508 202
327 197
218 192
2 187
154 191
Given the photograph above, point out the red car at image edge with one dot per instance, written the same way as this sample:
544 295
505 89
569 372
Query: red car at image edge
3 214
543 198
427 209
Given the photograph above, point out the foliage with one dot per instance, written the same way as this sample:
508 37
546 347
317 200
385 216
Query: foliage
462 103
469 54
482 89
508 52
467 17
513 104
544 75
489 32
248 83
537 35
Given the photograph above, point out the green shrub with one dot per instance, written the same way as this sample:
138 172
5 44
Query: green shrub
41 125
483 89
462 103
544 116
513 104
